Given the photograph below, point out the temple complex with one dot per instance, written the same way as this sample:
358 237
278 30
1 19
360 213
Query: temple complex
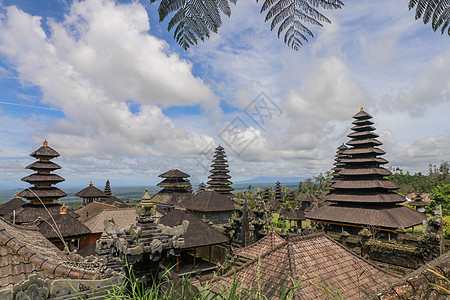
362 197
219 173
176 188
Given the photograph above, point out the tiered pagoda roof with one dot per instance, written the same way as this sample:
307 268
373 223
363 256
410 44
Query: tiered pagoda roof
338 164
362 195
176 188
107 189
219 173
278 194
91 193
201 187
43 180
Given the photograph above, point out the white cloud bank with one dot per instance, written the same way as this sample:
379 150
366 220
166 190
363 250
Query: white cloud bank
373 55
99 57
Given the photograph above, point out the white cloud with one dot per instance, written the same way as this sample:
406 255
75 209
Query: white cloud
91 64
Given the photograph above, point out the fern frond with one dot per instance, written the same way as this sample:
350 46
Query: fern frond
290 16
436 11
193 20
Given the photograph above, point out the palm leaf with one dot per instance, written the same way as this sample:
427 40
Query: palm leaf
290 16
436 11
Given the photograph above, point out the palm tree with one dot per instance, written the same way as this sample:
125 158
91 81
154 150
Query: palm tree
438 11
193 20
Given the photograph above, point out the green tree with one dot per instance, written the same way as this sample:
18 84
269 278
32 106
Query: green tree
441 196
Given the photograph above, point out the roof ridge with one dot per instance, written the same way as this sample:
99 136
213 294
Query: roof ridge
306 237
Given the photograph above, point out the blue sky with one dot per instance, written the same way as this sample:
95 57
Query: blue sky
104 82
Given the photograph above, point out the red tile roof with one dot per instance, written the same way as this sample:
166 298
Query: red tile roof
321 268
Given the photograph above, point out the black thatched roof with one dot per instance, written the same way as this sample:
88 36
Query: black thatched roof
92 209
171 198
11 205
294 215
31 212
44 152
209 201
67 224
307 197
34 192
37 178
113 200
91 192
43 165
366 197
392 217
174 173
198 233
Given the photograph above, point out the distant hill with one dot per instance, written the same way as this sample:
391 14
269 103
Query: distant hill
123 193
267 179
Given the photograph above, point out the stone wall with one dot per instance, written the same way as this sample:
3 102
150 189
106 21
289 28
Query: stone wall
38 289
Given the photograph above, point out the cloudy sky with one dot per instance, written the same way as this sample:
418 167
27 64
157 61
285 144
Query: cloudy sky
106 85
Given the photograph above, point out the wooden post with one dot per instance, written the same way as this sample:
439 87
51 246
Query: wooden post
195 254
178 261
209 255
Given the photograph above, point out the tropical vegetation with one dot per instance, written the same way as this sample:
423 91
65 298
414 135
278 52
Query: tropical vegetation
194 20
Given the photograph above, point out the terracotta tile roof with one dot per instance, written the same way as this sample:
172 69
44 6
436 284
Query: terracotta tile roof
68 226
92 209
208 201
261 247
198 233
122 217
24 251
387 217
316 263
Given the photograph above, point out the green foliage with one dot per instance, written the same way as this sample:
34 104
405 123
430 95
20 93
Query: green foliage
441 196
436 11
291 17
194 20
316 184
419 182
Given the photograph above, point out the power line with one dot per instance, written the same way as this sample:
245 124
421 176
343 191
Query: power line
31 106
